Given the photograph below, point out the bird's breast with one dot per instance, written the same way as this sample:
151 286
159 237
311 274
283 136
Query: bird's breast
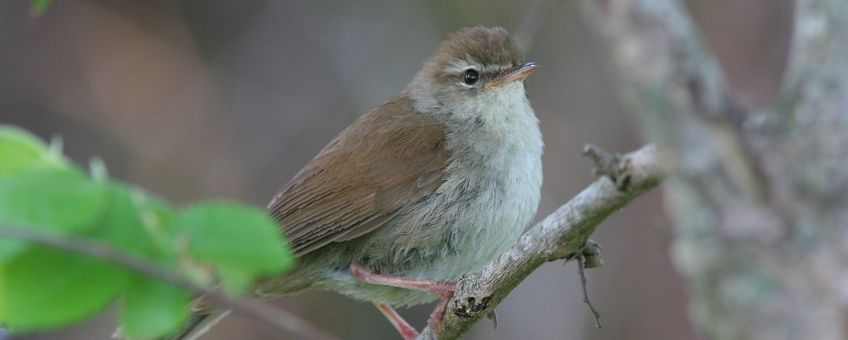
489 196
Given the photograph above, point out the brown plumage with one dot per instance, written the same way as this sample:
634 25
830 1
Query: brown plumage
422 189
490 47
359 181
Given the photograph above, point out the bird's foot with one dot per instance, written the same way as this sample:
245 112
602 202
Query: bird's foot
438 315
406 331
444 289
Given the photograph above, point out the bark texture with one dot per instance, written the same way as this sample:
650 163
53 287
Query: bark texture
561 235
759 199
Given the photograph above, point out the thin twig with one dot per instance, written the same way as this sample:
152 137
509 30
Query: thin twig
606 163
494 317
256 310
581 262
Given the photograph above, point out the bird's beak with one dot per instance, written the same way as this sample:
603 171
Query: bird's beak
521 73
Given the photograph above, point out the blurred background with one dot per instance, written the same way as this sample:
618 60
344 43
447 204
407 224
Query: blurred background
204 99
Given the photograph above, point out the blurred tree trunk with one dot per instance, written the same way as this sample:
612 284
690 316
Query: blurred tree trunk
760 198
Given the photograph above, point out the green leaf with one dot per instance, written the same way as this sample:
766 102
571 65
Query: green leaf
20 151
241 243
129 222
153 309
45 288
56 199
38 7
133 222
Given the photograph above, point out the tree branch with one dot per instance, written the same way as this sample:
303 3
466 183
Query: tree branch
668 74
561 235
256 310
759 199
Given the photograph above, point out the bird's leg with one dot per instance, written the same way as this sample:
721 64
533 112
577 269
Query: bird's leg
367 276
443 289
406 331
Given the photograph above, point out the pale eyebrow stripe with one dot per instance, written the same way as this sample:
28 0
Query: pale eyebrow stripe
457 66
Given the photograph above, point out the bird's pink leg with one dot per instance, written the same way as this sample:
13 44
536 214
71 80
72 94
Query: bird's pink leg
406 331
443 289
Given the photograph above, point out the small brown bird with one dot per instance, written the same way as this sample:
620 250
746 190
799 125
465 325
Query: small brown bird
425 188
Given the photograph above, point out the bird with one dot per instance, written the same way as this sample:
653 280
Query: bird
429 186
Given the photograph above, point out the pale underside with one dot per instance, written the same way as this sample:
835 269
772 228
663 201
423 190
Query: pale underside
419 210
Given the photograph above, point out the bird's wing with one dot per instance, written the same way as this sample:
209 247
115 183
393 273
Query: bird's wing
389 158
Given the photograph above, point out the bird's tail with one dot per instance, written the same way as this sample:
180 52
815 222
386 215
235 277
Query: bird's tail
199 323
206 314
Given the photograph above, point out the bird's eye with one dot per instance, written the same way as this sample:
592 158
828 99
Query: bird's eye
470 77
